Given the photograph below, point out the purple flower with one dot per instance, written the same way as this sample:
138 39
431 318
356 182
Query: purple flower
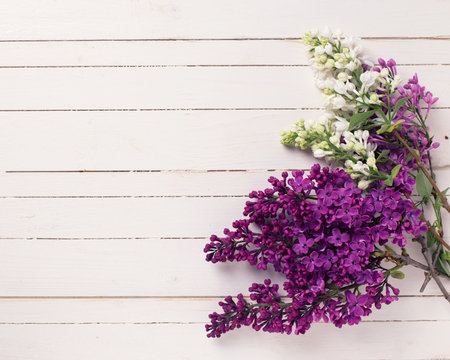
312 261
337 238
356 303
321 247
303 244
390 219
346 213
352 263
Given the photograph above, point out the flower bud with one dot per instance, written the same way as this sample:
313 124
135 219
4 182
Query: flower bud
349 146
349 164
335 140
363 184
384 72
373 98
320 129
329 64
302 134
358 147
342 76
371 161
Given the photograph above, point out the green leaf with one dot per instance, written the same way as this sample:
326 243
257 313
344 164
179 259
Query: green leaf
359 119
399 104
383 154
423 185
442 267
446 256
397 125
358 71
397 274
395 171
431 240
390 180
383 129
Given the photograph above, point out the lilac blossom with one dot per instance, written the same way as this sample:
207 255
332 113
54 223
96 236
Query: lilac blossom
327 259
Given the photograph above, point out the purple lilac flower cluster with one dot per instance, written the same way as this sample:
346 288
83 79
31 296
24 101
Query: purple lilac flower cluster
321 232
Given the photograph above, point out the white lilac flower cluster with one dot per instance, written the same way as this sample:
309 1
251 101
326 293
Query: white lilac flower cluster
348 90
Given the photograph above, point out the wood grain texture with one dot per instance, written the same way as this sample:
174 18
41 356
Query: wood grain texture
174 310
163 140
177 88
204 53
140 184
132 130
180 341
132 267
118 217
118 19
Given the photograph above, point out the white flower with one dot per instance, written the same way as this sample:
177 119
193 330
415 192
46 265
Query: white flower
384 72
359 148
338 102
320 129
341 88
352 88
329 64
374 98
340 125
372 162
396 82
348 164
319 153
361 168
335 140
368 80
319 50
329 49
351 66
363 184
343 76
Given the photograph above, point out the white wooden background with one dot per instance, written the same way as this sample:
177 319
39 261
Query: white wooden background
132 130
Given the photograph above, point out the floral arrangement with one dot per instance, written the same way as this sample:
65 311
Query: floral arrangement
338 233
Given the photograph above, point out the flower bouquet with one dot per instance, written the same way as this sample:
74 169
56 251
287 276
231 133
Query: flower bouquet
338 233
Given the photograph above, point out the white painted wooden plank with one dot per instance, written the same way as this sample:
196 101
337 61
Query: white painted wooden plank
45 19
225 52
177 310
130 217
370 341
136 267
117 217
163 140
147 140
144 184
179 87
166 88
141 184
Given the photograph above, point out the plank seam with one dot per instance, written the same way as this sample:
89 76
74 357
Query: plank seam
182 66
160 297
185 109
190 322
294 38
